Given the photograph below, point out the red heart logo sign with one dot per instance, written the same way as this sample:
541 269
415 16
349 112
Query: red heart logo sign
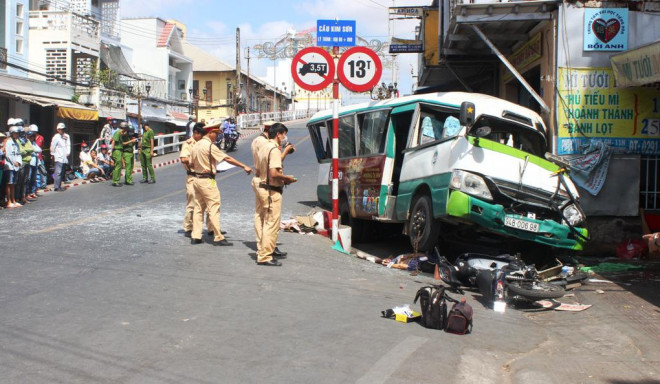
606 30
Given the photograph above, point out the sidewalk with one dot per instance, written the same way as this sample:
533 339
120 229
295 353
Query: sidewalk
158 161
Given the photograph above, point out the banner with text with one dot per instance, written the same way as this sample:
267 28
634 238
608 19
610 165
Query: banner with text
591 107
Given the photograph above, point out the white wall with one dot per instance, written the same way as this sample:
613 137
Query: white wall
11 34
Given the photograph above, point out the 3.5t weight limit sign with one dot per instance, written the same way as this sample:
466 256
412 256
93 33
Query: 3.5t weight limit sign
313 69
359 69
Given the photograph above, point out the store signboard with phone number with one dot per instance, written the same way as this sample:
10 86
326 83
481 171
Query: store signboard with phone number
590 107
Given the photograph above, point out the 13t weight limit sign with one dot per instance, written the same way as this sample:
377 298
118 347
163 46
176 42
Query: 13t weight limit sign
359 69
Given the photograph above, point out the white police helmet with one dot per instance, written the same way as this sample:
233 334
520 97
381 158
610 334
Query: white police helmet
15 129
19 121
61 126
33 128
11 122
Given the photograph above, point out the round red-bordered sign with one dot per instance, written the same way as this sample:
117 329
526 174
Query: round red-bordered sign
359 69
313 69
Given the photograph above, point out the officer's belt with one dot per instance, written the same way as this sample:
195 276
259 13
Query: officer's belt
191 173
205 175
271 188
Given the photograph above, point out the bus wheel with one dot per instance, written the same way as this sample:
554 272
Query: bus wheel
423 230
357 225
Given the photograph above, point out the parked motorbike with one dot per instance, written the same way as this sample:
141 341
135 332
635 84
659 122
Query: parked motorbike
230 141
498 278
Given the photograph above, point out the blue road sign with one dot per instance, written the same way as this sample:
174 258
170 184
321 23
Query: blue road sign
335 33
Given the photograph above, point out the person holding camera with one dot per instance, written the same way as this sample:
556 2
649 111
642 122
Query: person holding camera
256 146
269 193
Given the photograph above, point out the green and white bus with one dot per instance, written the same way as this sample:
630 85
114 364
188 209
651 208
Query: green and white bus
448 164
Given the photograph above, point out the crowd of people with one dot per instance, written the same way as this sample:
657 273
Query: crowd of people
23 169
21 164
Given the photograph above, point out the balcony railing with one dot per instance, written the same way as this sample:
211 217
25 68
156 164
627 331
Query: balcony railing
3 58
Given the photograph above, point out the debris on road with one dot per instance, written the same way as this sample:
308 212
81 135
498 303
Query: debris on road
612 267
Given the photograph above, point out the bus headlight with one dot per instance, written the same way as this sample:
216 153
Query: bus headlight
573 215
471 184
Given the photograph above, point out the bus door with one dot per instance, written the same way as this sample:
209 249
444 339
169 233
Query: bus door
319 133
426 162
398 133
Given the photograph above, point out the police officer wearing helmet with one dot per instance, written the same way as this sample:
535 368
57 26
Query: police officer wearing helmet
129 141
118 153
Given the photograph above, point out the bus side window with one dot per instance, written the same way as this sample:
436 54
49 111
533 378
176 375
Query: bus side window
372 132
347 136
437 125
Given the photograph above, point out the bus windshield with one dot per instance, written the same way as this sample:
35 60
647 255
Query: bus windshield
513 134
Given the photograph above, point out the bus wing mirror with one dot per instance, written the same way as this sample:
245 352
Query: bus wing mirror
467 114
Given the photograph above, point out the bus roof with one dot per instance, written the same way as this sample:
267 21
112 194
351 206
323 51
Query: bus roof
484 105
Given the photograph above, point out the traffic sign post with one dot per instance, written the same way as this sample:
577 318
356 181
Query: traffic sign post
313 69
359 69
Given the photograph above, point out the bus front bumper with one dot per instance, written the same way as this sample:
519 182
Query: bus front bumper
493 218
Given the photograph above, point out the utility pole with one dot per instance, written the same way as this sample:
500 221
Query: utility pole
247 86
237 89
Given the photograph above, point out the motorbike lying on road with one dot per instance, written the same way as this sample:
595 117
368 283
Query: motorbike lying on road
498 278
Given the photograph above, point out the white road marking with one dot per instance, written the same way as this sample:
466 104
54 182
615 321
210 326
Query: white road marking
390 362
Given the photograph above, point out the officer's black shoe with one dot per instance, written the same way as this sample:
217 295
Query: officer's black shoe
144 181
187 233
129 183
152 181
276 256
278 253
116 185
270 263
223 242
210 233
196 241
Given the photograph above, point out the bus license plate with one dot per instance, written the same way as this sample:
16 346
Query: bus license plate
521 224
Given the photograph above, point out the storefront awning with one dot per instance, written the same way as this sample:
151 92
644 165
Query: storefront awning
65 109
637 67
177 118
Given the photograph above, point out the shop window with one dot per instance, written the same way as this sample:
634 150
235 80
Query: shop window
372 132
649 195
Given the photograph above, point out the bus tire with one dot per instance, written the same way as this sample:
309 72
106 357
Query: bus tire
357 225
422 227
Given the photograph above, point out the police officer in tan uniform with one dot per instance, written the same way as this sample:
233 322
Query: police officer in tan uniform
257 144
270 188
204 158
197 134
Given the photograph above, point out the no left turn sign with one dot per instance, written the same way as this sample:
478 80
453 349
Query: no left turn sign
359 69
313 69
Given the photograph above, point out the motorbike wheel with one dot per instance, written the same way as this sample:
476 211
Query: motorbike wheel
535 291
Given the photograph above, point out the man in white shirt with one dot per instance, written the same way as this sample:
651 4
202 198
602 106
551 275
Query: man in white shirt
190 126
60 149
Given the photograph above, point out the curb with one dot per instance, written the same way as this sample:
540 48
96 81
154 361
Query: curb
79 182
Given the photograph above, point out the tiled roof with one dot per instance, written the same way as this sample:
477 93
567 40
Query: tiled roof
165 34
